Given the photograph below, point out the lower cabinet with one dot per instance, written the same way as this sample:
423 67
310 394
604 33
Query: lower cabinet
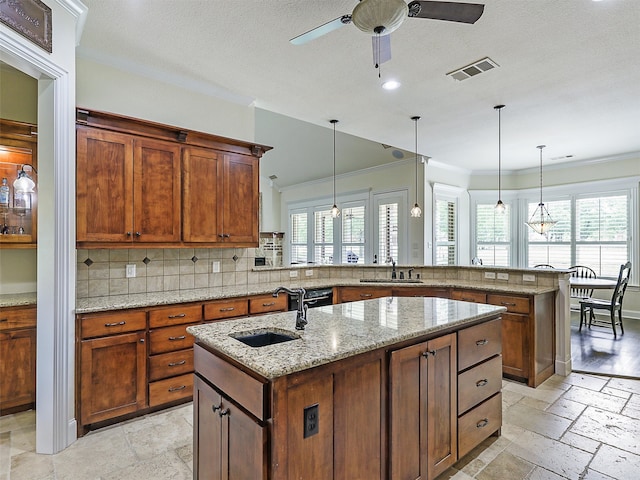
423 418
17 359
228 443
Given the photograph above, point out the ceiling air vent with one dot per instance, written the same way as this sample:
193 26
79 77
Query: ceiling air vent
473 69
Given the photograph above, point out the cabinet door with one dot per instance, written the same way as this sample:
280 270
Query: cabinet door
207 437
156 191
112 377
515 345
17 368
200 202
104 186
240 199
423 409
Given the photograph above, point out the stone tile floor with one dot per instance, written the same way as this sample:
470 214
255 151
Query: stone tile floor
576 427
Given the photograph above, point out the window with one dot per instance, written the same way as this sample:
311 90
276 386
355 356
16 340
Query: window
387 231
445 231
353 234
493 237
299 237
553 248
389 226
323 237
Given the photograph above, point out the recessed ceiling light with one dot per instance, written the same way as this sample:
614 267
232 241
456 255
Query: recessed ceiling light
391 84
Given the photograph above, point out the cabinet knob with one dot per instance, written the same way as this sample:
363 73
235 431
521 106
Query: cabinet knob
224 412
138 234
215 408
142 340
128 234
221 235
429 352
227 235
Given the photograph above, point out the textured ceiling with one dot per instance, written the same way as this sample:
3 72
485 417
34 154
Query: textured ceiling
569 71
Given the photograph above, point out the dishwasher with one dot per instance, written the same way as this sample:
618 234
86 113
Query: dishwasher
314 297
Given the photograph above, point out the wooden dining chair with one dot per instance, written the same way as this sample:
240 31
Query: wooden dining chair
588 305
580 271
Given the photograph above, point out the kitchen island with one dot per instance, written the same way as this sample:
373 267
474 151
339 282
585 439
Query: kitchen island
384 388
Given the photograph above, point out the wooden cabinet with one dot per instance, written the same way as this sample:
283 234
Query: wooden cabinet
423 413
17 359
112 368
354 294
18 218
128 188
142 184
260 304
228 443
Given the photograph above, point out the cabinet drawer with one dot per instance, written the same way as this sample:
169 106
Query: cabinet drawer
235 307
175 315
248 391
17 318
171 389
354 294
478 343
478 424
101 325
169 339
170 364
479 383
513 304
268 303
469 296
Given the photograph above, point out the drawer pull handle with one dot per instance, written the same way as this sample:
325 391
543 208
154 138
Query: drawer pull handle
484 341
467 299
228 309
4 320
224 412
508 304
482 383
178 315
215 408
482 423
176 389
429 352
270 304
115 324
181 337
366 295
176 364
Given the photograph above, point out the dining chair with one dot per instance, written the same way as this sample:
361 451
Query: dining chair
580 271
588 305
543 265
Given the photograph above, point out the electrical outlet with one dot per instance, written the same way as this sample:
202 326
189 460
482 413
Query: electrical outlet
528 278
490 275
215 267
309 273
293 274
503 276
130 271
311 420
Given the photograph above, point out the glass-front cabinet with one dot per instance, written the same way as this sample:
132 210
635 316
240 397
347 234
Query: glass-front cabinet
18 184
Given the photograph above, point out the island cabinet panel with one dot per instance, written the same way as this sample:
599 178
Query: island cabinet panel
423 409
227 443
17 359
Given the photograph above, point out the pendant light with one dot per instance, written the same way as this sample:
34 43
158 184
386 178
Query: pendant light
335 211
500 207
541 222
416 212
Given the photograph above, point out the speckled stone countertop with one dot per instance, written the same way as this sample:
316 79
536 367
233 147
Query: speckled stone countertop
119 302
338 331
18 299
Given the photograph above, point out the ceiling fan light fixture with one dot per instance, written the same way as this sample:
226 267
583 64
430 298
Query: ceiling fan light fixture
370 15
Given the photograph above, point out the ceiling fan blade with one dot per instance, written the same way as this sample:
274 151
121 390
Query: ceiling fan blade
448 11
321 30
381 45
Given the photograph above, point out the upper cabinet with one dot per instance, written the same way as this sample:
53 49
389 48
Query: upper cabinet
145 184
18 209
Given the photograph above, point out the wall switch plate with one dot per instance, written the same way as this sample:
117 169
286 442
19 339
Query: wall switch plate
293 274
215 267
528 278
503 276
130 271
311 424
309 273
490 275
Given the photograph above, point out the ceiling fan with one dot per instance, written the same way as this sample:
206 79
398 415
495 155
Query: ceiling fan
380 18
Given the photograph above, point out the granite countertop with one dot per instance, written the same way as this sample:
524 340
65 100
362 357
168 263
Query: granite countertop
338 331
18 299
141 300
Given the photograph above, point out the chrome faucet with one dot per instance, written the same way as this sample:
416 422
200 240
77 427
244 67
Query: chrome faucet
301 314
393 264
409 272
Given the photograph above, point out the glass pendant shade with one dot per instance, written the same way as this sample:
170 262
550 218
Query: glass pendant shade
24 183
541 222
369 15
416 211
500 207
335 211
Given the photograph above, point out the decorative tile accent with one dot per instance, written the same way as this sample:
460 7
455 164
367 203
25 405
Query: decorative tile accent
146 260
235 258
194 259
88 262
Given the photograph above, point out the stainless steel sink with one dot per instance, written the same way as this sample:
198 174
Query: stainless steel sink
390 280
262 338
